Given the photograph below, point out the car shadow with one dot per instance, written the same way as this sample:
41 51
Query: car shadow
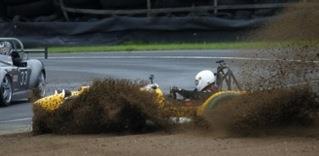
14 103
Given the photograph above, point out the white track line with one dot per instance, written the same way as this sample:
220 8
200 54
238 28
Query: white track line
180 57
16 120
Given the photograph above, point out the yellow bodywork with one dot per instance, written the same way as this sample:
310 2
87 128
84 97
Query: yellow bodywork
53 102
160 97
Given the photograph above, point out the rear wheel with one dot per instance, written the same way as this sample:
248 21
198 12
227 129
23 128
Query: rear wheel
39 90
42 85
217 99
5 91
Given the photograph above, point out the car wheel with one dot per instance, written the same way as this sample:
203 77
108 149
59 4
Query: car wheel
39 90
5 91
215 100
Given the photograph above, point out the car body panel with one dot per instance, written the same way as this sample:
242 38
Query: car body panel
23 78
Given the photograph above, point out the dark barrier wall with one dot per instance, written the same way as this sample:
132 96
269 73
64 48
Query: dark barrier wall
44 10
41 22
121 29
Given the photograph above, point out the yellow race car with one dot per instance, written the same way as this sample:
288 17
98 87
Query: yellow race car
179 109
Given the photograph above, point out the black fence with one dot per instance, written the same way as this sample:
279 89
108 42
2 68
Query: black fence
214 21
149 11
210 8
88 10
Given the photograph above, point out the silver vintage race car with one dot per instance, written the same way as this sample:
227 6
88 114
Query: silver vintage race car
20 77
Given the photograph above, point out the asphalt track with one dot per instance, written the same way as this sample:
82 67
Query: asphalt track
171 68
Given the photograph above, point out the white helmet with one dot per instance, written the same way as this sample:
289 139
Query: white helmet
203 79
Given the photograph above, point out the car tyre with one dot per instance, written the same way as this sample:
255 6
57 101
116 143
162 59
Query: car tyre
5 91
39 90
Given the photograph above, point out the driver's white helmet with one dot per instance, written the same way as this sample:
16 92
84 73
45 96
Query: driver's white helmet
5 48
203 79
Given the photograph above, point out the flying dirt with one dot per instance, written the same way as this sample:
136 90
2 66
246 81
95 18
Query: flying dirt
108 106
115 106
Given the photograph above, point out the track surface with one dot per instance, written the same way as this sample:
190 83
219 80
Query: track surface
157 144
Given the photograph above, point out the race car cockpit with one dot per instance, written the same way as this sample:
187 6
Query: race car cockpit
8 49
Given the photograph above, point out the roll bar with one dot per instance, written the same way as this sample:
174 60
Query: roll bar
225 75
17 42
19 47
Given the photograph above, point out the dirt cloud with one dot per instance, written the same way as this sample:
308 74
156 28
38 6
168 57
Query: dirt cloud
110 106
262 111
281 93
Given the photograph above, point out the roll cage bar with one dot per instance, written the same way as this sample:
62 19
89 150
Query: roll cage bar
224 75
19 47
16 42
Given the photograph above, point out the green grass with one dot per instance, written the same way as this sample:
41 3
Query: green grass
169 46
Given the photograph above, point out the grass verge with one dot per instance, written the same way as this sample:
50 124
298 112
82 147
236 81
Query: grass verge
132 46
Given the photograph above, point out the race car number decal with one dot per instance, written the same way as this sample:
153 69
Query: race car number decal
24 76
